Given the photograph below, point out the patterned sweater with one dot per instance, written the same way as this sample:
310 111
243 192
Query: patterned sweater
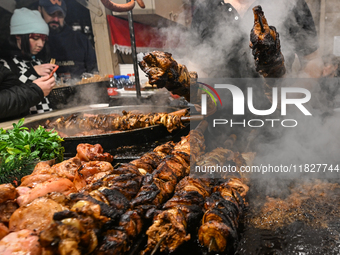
26 73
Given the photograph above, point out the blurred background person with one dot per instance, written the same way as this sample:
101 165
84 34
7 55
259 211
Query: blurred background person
72 50
329 93
331 65
29 33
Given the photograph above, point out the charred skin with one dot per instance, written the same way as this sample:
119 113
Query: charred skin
266 48
163 71
223 209
169 228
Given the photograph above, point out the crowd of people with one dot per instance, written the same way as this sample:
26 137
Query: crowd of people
36 36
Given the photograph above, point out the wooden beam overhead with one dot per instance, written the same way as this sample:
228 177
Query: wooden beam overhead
8 5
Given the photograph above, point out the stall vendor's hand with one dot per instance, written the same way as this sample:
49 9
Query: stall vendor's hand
46 84
44 69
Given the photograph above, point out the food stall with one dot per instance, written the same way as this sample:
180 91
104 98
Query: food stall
158 178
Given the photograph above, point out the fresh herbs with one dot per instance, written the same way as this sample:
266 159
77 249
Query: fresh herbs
21 148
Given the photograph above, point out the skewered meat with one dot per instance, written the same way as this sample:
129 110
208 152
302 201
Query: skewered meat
35 216
88 152
220 221
183 207
197 146
266 48
163 71
169 229
165 178
192 197
215 157
69 236
21 242
148 162
153 192
98 124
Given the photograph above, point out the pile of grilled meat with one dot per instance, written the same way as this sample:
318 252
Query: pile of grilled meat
88 124
84 205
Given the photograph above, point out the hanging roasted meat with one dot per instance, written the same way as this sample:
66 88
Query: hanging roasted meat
163 71
266 47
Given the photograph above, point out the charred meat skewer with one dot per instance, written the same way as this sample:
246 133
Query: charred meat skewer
223 210
266 48
163 71
129 120
150 195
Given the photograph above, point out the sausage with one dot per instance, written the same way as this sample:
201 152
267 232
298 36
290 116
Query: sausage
141 3
119 7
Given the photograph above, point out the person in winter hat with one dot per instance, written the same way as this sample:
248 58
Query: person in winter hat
26 49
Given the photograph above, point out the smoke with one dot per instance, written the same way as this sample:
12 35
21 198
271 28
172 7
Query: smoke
225 50
226 40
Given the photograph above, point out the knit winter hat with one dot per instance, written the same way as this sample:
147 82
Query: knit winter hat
25 21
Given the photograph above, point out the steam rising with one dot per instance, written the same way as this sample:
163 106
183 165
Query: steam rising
314 140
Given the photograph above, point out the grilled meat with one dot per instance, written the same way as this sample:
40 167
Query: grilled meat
61 185
223 210
35 216
20 242
85 174
7 209
7 192
114 243
89 152
71 235
165 177
185 207
163 71
99 124
33 179
155 190
4 231
266 48
87 222
170 227
67 168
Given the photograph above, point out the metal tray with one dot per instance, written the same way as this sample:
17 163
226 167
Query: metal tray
111 142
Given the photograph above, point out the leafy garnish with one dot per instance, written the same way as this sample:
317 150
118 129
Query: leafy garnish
19 147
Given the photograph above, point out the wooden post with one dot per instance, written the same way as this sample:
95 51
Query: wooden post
106 59
322 26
